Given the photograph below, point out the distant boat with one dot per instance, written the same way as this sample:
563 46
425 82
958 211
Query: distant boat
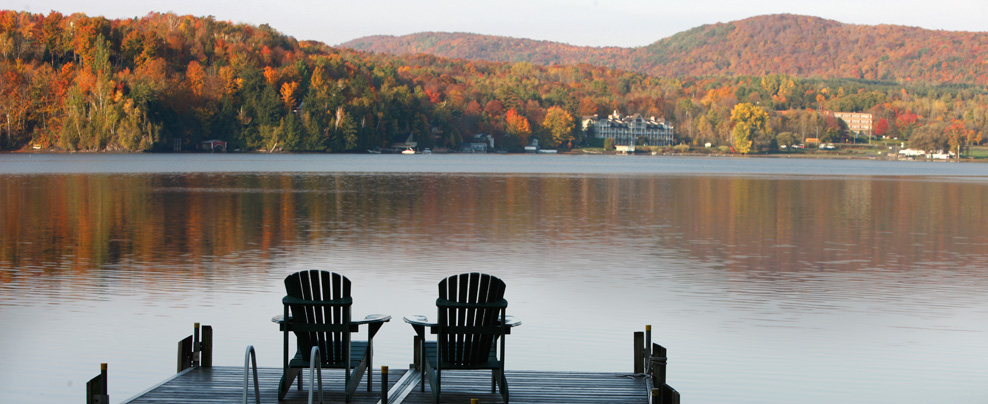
427 151
408 151
372 151
547 151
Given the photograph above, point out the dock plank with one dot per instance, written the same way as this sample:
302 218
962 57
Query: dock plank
225 385
537 387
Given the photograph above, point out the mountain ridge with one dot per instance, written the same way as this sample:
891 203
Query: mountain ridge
798 45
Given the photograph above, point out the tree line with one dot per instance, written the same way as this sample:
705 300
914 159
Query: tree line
74 82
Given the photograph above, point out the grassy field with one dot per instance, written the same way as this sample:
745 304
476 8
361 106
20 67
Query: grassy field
978 152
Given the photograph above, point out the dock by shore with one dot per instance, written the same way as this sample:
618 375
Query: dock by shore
198 381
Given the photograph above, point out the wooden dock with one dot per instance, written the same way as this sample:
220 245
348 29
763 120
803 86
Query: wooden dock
198 381
224 384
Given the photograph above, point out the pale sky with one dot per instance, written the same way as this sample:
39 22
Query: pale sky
578 22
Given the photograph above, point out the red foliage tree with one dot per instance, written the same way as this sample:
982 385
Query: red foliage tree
882 127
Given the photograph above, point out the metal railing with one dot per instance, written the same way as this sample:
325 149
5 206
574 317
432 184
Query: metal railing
313 365
250 358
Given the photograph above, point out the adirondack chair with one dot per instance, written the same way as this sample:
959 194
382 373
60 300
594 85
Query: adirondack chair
317 311
470 331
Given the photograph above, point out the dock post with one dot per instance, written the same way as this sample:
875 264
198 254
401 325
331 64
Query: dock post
656 397
639 352
206 360
648 344
184 354
193 352
96 389
196 347
384 385
474 401
657 365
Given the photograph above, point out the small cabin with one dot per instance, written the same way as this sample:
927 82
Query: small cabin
212 146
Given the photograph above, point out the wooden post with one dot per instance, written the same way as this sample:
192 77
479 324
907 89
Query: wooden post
648 343
384 385
207 346
196 348
97 391
639 352
671 396
657 365
184 353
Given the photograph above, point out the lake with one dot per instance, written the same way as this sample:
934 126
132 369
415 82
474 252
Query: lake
768 280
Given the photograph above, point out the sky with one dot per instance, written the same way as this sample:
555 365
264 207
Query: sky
578 22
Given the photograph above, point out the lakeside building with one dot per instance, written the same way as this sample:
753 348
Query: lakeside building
857 122
627 130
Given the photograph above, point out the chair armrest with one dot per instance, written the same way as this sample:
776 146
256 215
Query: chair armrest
373 322
419 320
280 319
373 318
511 321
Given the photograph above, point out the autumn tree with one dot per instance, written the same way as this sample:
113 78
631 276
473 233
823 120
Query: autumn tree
13 105
906 122
587 107
959 137
748 119
517 126
882 127
559 124
288 91
195 77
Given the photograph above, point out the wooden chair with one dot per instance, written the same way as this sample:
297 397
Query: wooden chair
470 331
317 309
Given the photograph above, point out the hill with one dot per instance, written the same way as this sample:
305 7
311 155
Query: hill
462 45
784 44
166 82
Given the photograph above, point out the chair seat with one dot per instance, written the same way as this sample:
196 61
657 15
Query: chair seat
358 349
432 355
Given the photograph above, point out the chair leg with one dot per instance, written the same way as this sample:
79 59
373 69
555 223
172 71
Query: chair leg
287 379
503 384
370 364
439 385
282 390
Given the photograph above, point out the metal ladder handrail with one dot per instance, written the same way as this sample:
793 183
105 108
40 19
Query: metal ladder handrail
313 357
250 357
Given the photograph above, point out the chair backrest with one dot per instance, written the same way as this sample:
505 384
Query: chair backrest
470 306
320 309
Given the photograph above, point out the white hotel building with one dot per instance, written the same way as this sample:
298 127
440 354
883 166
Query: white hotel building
627 130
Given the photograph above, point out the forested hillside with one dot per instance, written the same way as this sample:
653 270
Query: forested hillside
460 45
74 82
786 44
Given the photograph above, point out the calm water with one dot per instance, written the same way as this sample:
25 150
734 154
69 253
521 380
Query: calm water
834 281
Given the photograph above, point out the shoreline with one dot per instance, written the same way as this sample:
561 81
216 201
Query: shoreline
577 152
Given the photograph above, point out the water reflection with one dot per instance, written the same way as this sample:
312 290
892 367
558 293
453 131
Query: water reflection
769 288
